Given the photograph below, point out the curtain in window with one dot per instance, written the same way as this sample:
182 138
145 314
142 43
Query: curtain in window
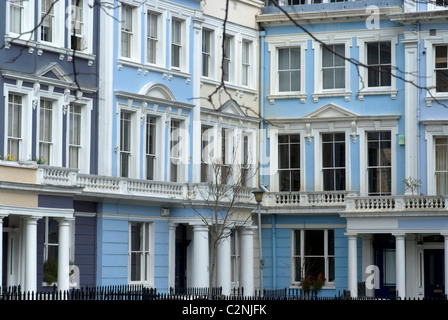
441 166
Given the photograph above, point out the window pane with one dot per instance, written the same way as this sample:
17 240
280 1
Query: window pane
284 180
284 81
339 78
295 81
327 56
294 156
373 53
385 53
339 56
295 58
442 80
283 156
441 57
314 241
328 78
283 59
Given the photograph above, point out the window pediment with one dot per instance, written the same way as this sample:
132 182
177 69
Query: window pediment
157 90
331 111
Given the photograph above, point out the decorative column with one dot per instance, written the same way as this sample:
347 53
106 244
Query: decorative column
64 255
201 257
31 254
247 261
400 273
171 255
223 263
352 265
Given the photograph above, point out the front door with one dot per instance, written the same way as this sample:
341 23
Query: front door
434 273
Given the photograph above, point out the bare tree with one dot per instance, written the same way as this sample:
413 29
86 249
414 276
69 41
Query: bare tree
222 203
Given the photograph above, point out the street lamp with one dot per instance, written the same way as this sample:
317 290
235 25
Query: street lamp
258 194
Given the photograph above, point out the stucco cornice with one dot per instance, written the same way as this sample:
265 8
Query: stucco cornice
324 16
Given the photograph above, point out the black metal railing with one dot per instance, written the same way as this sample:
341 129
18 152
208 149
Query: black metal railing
139 292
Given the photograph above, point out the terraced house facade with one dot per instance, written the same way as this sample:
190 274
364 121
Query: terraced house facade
134 132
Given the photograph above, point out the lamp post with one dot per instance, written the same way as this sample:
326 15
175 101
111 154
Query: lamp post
258 194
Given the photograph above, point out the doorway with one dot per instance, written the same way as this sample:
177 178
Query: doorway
181 257
434 273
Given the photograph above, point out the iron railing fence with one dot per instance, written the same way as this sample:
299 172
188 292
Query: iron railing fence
139 292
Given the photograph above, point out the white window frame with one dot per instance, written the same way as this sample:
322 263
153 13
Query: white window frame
57 119
251 156
158 150
184 44
318 81
363 156
249 64
86 111
26 120
161 37
27 20
302 254
318 154
347 159
58 24
210 55
434 129
273 46
232 59
87 29
134 163
385 35
146 253
135 45
273 164
430 44
180 151
432 6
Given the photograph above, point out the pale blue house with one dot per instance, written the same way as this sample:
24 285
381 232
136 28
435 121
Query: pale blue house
343 116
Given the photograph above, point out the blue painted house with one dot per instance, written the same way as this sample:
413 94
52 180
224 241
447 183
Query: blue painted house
349 132
48 127
151 225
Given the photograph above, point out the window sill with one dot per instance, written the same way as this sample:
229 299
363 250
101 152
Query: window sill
42 46
345 94
239 90
371 92
436 97
273 97
146 68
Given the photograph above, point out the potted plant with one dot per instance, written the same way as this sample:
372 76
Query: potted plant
318 283
307 283
51 270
